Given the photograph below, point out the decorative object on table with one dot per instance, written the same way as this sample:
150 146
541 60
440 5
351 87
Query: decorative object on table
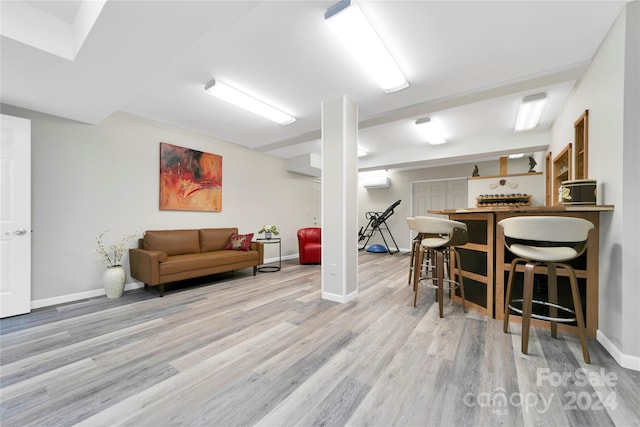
579 192
268 230
190 180
114 277
512 199
532 164
475 172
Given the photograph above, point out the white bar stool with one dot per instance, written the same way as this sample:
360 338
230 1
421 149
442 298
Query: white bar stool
447 235
545 241
415 247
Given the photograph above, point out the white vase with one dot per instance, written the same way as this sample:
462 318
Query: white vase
267 235
113 280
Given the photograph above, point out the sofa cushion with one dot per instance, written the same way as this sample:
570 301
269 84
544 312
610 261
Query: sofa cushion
240 242
173 242
181 263
215 239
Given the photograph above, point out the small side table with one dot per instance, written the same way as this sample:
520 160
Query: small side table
272 268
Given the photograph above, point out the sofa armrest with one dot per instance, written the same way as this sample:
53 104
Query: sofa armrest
145 265
258 246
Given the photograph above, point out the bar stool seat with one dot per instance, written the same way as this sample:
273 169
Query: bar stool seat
548 254
442 237
545 241
415 247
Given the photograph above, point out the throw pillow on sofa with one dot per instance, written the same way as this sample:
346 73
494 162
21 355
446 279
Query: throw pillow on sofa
240 242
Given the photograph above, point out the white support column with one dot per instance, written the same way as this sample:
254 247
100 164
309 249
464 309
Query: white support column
339 200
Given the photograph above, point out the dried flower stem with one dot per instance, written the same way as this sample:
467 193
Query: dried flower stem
112 255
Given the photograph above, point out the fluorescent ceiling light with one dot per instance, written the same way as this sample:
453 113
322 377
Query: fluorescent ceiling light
430 131
242 100
516 156
351 26
530 111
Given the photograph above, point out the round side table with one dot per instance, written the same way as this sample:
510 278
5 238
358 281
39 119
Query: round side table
272 268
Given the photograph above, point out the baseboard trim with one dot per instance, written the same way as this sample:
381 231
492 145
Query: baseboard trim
625 360
63 299
343 299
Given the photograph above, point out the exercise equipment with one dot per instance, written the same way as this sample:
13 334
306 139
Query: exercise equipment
378 223
378 249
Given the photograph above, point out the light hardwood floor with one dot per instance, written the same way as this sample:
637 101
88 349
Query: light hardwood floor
266 350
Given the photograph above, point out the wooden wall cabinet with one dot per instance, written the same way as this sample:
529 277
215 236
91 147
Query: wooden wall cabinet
581 146
561 171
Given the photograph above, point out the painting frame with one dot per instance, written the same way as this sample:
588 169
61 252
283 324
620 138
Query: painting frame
190 180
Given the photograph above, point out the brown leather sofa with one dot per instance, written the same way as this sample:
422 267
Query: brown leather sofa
165 256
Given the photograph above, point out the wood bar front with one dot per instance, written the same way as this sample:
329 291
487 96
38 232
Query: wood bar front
486 246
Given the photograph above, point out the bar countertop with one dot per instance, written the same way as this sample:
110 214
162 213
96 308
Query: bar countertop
488 262
528 209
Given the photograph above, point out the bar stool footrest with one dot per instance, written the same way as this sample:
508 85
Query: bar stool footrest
452 284
543 317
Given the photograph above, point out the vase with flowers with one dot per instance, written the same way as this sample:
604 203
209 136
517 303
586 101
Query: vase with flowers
269 230
114 277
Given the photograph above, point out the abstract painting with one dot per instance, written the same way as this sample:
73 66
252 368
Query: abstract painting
190 180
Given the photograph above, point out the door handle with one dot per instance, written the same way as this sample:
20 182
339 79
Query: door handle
18 232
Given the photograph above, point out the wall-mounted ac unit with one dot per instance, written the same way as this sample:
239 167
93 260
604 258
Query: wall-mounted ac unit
377 182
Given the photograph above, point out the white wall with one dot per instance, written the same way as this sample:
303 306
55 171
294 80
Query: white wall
610 92
531 184
86 179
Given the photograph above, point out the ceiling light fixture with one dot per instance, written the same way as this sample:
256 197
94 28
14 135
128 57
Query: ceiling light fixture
430 131
516 156
361 152
530 111
240 99
348 22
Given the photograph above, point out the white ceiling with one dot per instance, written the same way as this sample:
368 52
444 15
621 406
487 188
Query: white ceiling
469 63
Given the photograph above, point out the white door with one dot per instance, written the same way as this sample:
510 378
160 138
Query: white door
428 195
438 194
15 216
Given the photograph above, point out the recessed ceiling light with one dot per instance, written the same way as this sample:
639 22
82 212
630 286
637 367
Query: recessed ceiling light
350 25
430 131
240 99
530 111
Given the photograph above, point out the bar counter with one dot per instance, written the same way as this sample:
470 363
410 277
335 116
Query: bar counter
486 261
